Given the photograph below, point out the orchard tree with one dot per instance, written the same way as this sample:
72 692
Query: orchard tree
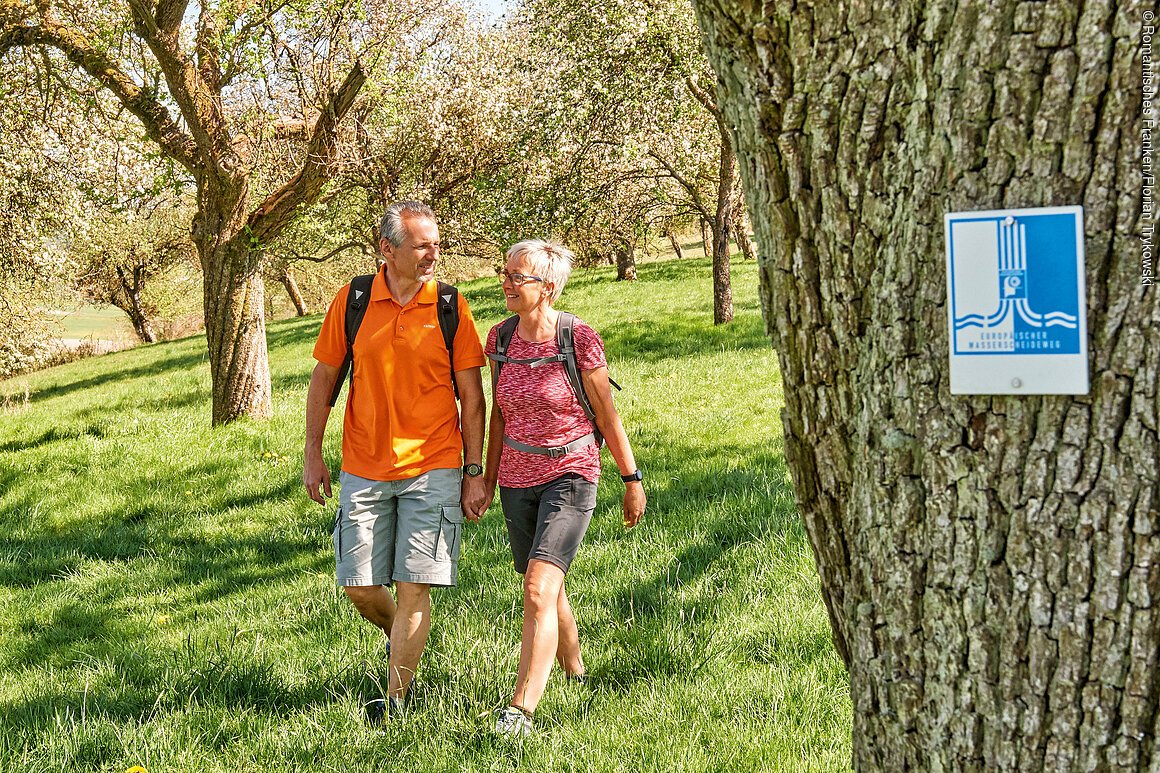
632 75
448 129
991 564
120 253
442 127
203 82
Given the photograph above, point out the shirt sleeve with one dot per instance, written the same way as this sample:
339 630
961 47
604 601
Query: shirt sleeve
330 348
589 347
468 350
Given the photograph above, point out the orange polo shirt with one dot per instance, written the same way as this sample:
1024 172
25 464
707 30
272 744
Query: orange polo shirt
401 417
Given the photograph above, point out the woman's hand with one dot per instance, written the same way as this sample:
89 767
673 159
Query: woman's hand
634 501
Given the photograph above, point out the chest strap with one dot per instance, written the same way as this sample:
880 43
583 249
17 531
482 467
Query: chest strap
533 362
555 452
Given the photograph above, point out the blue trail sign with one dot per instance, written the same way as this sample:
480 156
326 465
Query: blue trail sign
1015 300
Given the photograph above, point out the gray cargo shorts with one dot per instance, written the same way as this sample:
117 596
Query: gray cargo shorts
398 530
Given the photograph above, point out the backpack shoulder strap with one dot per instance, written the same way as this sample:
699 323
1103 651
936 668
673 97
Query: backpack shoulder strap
357 300
503 339
448 306
565 340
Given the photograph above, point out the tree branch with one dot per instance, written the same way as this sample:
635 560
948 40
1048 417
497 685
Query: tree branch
199 103
303 189
159 125
293 256
702 96
689 187
169 15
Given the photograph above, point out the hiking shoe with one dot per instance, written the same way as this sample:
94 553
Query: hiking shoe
378 711
512 722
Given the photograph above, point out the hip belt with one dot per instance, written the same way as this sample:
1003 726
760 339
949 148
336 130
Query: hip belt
556 451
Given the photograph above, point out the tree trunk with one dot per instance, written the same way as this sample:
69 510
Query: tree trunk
991 564
141 324
722 225
130 301
625 263
291 285
673 240
235 323
706 238
744 243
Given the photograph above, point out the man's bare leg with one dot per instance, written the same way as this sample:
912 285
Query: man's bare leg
375 603
412 623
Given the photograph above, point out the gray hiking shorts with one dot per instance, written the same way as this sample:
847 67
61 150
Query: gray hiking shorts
548 522
398 530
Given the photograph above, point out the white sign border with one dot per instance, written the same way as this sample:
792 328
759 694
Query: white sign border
1020 374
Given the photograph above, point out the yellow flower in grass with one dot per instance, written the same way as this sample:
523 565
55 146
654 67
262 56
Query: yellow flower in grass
161 620
136 769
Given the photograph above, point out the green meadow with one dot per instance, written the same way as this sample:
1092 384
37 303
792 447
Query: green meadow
167 600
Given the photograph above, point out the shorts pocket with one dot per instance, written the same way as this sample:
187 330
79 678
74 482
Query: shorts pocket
450 527
336 532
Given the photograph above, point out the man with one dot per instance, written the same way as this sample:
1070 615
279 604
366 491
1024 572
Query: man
403 495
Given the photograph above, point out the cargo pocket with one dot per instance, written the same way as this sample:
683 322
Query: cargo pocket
450 526
336 532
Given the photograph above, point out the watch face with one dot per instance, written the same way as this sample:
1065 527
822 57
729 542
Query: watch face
472 470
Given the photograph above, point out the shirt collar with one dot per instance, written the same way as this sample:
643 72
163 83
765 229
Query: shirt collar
428 293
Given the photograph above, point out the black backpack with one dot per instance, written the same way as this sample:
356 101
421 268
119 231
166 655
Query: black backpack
567 356
356 307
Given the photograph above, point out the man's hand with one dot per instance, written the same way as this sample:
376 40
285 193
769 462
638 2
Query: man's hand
476 496
316 477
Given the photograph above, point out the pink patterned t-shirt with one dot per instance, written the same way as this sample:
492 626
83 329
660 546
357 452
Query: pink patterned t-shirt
540 409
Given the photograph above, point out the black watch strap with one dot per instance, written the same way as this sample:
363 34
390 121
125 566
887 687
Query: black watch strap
638 475
472 470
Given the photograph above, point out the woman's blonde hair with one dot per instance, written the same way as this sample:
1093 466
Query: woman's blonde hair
550 261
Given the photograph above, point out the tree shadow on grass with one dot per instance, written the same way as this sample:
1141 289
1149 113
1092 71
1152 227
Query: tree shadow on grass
722 473
53 435
30 555
288 333
157 367
682 335
224 677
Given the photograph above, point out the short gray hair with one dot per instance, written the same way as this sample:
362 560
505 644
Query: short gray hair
551 261
392 228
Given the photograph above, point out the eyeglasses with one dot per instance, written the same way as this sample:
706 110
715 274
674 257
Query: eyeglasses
518 279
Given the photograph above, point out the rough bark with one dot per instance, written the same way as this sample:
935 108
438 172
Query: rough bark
991 564
706 238
291 284
233 297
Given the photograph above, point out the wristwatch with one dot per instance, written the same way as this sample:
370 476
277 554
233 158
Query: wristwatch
472 470
638 475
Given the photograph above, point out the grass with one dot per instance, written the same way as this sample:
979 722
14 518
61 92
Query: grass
167 600
96 322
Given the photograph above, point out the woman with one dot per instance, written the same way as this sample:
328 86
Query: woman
548 495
